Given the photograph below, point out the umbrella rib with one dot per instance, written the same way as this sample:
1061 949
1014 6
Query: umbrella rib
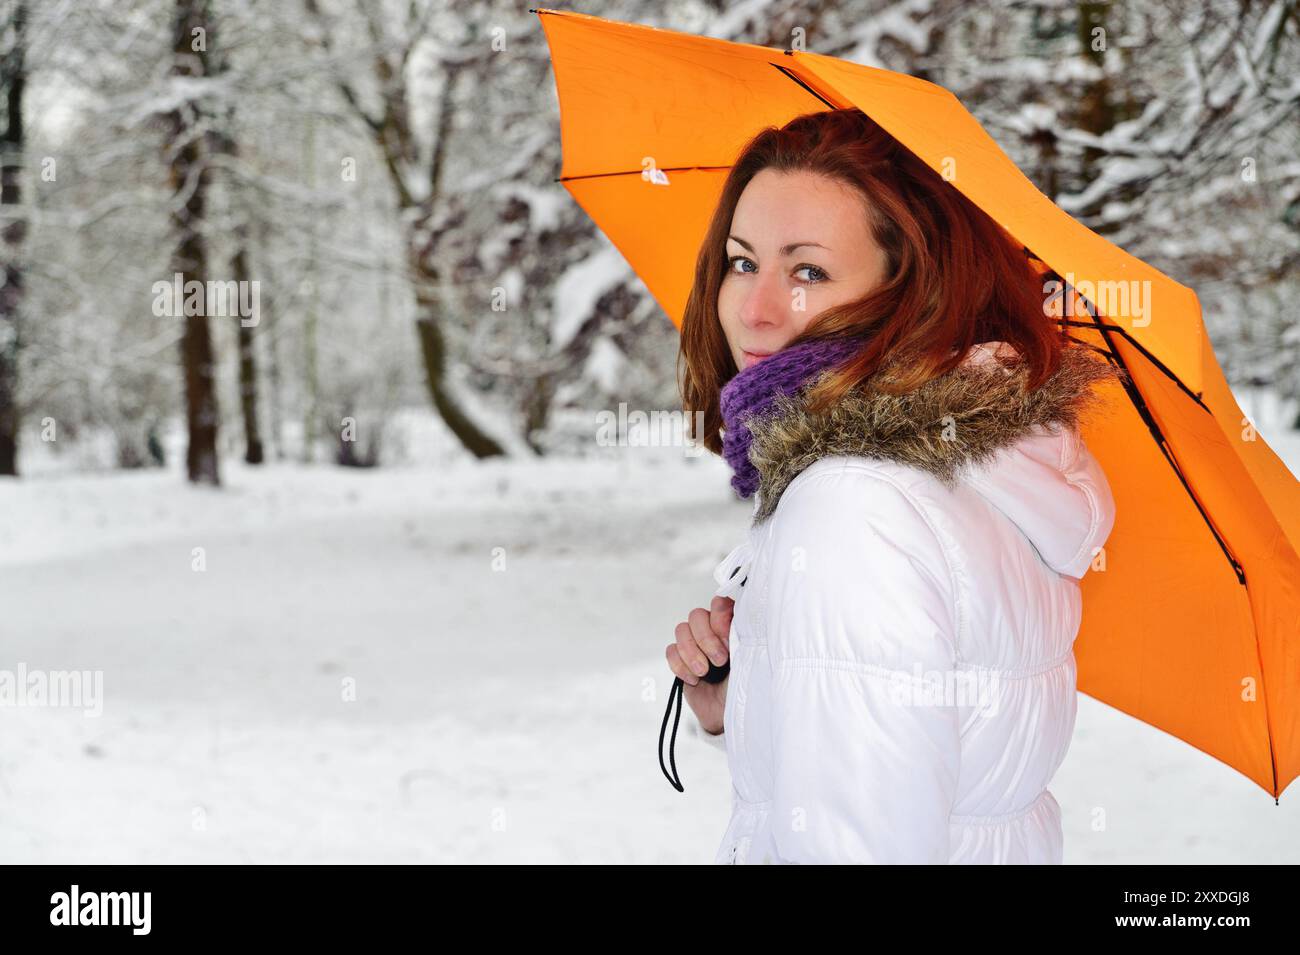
791 75
639 172
1149 420
1097 324
1140 404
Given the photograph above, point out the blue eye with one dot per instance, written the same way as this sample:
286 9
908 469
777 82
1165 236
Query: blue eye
820 276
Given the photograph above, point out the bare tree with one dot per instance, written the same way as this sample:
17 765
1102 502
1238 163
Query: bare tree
187 148
417 179
13 226
227 146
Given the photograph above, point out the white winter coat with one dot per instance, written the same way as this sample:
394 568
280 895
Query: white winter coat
902 683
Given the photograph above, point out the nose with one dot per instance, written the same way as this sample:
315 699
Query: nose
766 304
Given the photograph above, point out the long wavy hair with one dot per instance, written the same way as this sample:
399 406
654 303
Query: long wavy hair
954 277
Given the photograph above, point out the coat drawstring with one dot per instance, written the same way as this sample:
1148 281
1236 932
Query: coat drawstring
716 674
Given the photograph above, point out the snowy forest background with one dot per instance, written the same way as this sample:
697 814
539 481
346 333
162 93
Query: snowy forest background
386 172
438 327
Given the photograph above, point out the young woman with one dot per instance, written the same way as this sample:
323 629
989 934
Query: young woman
898 623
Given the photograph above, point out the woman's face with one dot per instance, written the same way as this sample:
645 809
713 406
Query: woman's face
800 243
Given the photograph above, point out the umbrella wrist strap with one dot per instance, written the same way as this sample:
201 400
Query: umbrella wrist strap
674 696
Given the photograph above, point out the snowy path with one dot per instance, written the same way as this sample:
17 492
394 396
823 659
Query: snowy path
500 715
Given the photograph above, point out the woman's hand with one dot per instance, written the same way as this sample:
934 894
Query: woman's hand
702 637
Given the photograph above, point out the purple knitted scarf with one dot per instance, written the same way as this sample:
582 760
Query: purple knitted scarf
753 391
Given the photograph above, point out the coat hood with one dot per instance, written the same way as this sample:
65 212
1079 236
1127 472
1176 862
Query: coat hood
975 424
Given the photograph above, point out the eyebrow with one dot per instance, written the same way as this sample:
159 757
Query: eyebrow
785 249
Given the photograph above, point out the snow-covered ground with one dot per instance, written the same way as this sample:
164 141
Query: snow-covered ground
502 628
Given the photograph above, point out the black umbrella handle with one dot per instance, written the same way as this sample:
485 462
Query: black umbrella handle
717 673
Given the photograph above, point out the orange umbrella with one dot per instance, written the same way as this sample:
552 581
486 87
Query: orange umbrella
1192 612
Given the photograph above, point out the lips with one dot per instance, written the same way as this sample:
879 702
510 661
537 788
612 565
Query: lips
754 357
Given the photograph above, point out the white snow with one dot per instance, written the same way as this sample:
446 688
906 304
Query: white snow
579 289
501 715
606 365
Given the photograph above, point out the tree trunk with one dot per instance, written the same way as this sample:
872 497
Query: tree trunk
228 146
190 174
275 400
13 229
311 378
253 453
348 455
433 347
537 411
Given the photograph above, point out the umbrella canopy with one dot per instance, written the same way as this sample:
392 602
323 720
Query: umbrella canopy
1192 613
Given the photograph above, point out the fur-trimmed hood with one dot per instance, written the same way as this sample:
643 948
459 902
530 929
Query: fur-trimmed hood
954 422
